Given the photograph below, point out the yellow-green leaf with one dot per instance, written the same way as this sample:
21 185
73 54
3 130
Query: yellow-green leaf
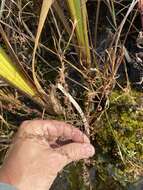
11 73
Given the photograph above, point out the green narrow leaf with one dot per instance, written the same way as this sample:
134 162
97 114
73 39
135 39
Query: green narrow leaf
78 13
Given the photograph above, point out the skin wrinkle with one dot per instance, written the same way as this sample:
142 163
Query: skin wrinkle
76 133
35 138
62 152
62 128
37 156
42 140
47 130
71 132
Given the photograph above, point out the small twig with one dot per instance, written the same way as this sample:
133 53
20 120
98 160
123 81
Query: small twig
2 8
76 105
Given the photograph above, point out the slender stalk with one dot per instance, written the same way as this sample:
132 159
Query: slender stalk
2 8
78 13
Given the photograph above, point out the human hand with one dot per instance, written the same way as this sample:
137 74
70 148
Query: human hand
37 155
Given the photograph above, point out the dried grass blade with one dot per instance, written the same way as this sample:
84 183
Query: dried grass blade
44 12
77 107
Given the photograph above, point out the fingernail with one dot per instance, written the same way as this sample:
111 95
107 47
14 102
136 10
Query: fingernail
89 150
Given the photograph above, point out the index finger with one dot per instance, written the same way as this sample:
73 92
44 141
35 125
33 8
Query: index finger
55 129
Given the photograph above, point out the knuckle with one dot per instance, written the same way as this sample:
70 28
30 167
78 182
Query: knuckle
24 124
73 154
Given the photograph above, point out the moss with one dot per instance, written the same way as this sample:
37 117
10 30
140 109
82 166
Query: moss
119 138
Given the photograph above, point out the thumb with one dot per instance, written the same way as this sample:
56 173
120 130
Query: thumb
77 151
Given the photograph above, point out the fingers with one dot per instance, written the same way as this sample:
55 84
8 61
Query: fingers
77 151
55 129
